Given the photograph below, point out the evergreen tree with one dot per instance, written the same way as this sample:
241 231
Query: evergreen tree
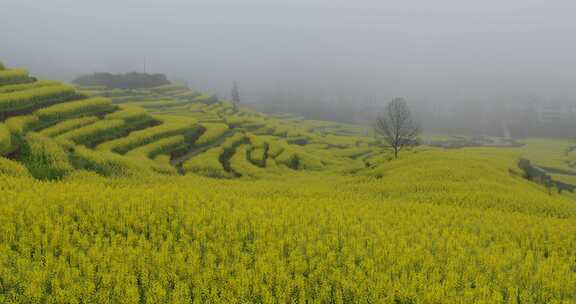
236 97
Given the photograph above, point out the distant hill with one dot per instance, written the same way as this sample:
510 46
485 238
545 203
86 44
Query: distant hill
133 80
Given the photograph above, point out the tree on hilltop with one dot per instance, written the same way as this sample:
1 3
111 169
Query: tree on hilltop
236 97
397 126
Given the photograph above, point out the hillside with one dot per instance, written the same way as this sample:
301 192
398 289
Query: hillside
168 129
166 195
66 130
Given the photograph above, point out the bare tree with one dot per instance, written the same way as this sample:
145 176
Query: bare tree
397 126
236 97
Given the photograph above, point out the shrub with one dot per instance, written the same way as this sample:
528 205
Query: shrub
67 110
68 125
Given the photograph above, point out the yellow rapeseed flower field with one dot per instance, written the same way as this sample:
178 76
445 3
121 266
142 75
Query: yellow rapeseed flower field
434 227
188 199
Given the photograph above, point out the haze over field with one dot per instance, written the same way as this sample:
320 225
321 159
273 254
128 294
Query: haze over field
444 50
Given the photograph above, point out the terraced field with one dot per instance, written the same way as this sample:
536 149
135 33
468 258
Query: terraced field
273 141
172 129
161 127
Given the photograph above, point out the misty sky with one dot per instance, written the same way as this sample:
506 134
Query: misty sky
426 49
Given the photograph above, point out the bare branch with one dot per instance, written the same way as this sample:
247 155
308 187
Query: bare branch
397 126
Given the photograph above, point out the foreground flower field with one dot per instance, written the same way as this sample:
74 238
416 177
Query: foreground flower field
433 227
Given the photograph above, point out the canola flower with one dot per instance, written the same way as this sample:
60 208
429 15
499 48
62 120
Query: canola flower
36 97
196 240
68 125
13 76
90 106
142 137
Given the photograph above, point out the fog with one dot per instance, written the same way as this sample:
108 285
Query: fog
440 51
